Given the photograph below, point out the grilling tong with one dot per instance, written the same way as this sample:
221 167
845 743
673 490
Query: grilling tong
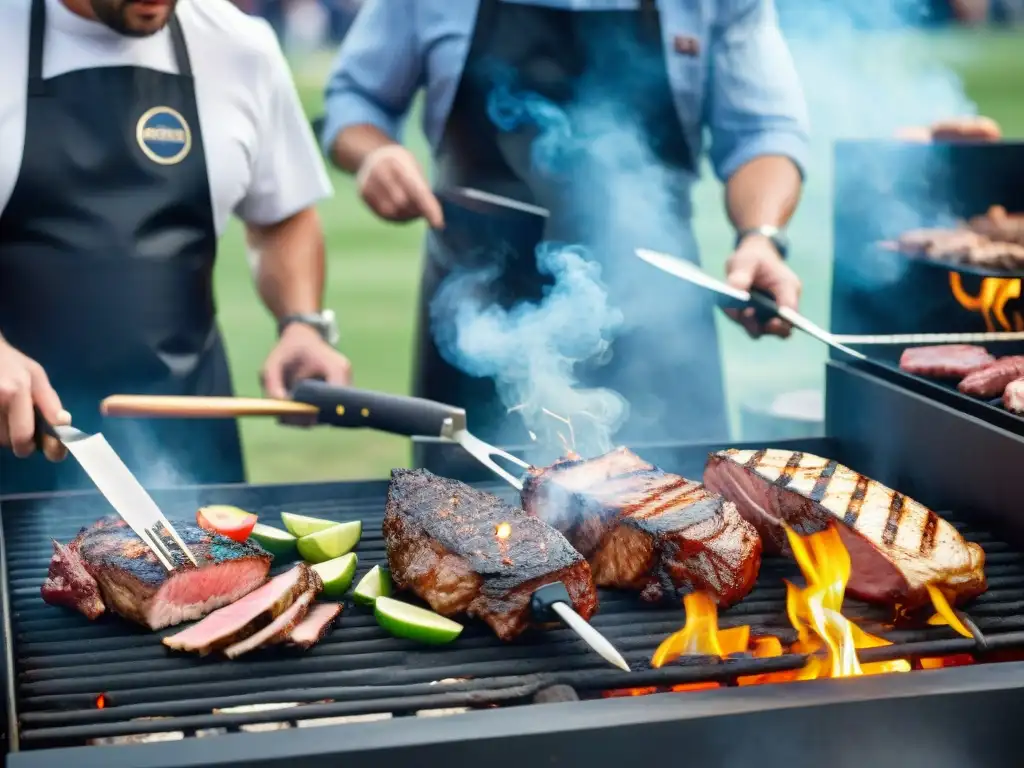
409 416
119 486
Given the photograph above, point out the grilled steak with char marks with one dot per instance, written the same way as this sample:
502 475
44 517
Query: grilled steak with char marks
897 546
108 566
446 542
645 529
242 619
944 361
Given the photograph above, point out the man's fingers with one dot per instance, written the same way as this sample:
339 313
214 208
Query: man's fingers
21 423
741 277
777 327
273 379
425 201
53 449
44 396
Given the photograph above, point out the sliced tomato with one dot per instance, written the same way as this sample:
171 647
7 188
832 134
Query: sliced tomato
232 522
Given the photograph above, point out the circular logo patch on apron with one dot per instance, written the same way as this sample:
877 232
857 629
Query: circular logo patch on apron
164 136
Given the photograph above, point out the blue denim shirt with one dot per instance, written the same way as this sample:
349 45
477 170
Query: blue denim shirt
742 84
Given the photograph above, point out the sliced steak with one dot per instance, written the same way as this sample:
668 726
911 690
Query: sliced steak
234 623
466 551
991 380
944 361
897 546
314 628
277 630
1013 396
644 529
133 583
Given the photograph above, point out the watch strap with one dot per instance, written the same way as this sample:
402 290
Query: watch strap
775 235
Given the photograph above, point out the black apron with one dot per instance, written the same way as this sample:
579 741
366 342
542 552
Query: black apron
107 249
666 359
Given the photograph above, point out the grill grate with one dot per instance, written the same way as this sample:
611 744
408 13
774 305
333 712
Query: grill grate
64 662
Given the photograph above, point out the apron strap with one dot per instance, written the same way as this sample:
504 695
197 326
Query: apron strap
179 46
36 38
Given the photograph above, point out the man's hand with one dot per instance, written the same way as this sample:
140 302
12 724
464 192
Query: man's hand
301 354
392 183
757 265
954 130
24 385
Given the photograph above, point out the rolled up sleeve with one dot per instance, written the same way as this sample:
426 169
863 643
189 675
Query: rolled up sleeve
376 73
757 105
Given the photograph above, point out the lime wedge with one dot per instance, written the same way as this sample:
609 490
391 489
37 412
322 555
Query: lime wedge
330 543
300 525
337 574
277 542
376 583
412 623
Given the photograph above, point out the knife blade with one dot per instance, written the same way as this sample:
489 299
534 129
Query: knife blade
119 486
553 599
690 272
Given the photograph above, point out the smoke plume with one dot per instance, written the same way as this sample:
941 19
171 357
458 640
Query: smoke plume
594 168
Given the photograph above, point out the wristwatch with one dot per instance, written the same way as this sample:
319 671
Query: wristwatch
775 234
322 322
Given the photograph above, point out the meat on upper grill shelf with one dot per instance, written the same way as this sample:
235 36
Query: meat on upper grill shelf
991 380
108 566
897 546
644 529
945 361
463 550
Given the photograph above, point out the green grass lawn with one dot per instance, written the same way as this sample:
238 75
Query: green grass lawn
374 269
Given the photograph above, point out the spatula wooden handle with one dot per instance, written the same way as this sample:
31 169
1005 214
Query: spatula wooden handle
185 407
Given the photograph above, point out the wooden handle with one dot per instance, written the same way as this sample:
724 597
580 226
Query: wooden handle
185 407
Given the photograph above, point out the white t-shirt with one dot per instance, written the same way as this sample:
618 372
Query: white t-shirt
262 159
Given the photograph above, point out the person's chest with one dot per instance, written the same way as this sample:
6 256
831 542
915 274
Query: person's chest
229 115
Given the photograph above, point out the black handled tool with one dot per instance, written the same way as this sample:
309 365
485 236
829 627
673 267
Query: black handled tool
401 415
552 602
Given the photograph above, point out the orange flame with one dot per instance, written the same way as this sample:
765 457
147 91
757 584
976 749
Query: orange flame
700 635
991 301
503 531
944 613
101 701
816 611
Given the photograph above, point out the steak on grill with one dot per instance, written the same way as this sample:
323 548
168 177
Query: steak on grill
108 566
644 529
944 361
897 546
465 551
1013 396
277 630
244 618
312 629
991 380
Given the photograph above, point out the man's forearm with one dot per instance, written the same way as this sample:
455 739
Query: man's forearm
354 143
764 192
290 264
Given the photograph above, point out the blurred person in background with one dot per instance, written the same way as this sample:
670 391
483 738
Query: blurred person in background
130 131
721 65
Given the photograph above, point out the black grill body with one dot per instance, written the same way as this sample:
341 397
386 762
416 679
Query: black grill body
59 663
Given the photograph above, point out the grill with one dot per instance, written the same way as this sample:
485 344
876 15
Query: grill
547 692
